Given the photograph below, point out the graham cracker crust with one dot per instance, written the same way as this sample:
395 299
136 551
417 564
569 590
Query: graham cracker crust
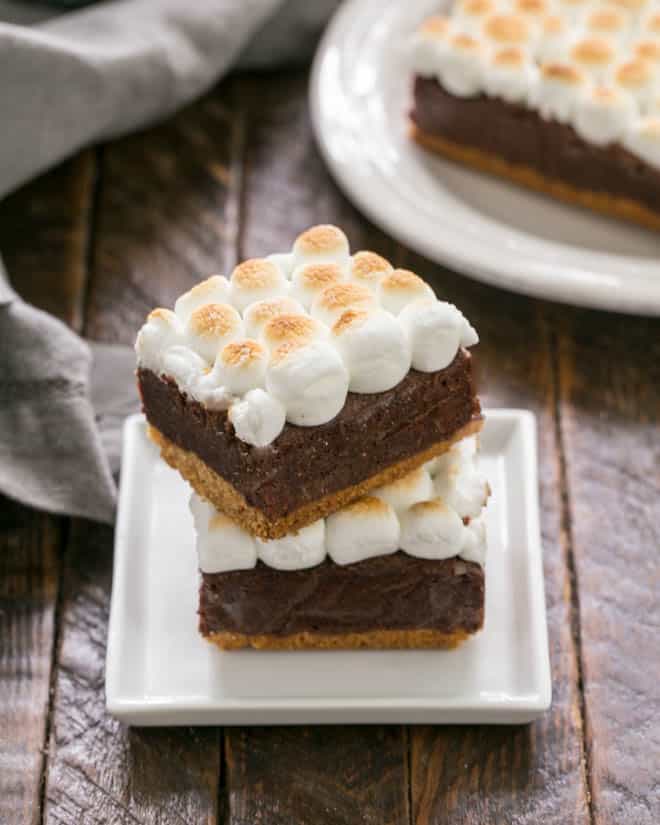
373 639
224 497
601 202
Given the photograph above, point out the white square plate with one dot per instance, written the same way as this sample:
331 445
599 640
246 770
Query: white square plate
159 671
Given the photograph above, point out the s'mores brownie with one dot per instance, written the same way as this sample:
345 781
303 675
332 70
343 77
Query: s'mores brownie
562 96
304 381
402 567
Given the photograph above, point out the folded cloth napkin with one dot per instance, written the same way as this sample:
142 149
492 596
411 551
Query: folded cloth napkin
66 80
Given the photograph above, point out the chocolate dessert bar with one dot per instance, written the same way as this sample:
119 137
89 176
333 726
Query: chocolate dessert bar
561 97
402 567
304 381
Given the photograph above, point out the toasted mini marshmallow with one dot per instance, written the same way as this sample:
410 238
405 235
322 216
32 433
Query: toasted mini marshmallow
283 261
650 24
474 545
309 280
638 77
460 453
241 365
507 30
310 380
559 89
461 486
368 269
428 44
534 11
608 23
512 75
374 348
469 15
321 244
648 48
161 330
214 290
185 366
554 39
289 328
572 10
256 280
435 331
362 530
604 114
400 288
633 7
462 65
593 55
643 139
222 544
295 551
406 491
258 418
335 300
257 315
211 326
431 530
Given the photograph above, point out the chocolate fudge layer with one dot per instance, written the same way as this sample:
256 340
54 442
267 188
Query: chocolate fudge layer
522 138
374 439
395 596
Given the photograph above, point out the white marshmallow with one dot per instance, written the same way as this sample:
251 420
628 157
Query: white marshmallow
210 327
643 139
374 348
469 15
559 89
427 46
367 528
463 451
462 488
214 290
330 304
400 288
604 114
608 23
402 494
258 314
221 544
435 330
367 269
309 280
321 244
161 330
310 380
295 551
241 365
639 78
595 56
185 366
462 65
256 280
648 48
511 75
431 530
474 546
287 329
258 418
507 30
554 41
283 261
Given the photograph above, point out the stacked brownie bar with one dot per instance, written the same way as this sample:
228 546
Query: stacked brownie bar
562 96
323 409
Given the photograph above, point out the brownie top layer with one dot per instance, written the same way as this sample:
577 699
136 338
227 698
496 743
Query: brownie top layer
288 337
388 593
596 72
303 464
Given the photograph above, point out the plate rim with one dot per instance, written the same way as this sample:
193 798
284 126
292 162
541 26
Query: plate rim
327 710
583 286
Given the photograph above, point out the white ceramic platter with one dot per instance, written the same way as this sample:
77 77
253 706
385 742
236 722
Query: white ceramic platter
159 671
493 231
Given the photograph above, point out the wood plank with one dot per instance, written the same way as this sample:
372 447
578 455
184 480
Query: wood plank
43 230
610 414
167 211
44 237
29 569
465 775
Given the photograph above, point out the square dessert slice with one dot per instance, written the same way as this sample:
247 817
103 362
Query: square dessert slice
400 568
561 97
305 381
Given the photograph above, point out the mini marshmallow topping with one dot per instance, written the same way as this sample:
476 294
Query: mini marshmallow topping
339 324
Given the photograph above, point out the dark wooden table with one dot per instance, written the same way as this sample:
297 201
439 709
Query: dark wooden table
130 225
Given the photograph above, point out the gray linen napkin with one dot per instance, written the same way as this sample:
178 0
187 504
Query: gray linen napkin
66 80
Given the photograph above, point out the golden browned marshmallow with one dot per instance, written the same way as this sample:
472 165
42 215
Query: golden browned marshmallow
630 6
256 280
367 268
290 328
593 54
652 24
211 326
257 315
323 242
534 9
334 300
241 366
436 26
605 22
507 29
308 280
648 49
214 290
399 288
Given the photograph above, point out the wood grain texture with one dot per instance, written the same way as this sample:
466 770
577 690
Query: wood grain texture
610 414
98 770
29 566
44 237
